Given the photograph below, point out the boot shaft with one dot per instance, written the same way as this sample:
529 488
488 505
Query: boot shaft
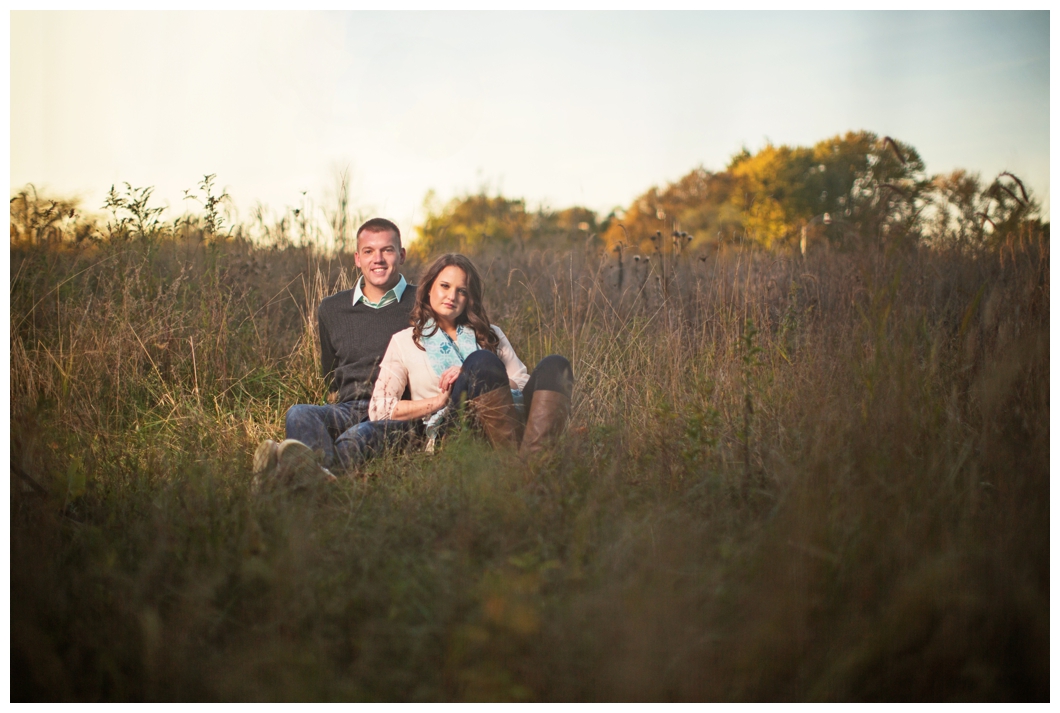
546 420
496 414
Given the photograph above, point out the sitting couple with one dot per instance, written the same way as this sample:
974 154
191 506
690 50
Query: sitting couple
391 383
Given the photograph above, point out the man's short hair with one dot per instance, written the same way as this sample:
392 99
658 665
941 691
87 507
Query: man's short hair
379 225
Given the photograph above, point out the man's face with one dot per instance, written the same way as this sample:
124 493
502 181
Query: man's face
378 255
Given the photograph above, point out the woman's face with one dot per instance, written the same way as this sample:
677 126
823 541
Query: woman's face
449 294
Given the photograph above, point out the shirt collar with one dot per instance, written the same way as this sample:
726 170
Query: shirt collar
396 291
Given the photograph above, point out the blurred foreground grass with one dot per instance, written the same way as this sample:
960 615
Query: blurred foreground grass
819 478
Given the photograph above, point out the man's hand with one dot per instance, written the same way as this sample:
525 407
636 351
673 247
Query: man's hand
448 377
332 397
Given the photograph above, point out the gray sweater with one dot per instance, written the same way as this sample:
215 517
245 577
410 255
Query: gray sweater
353 339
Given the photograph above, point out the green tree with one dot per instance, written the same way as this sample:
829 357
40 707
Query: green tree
469 224
476 223
874 188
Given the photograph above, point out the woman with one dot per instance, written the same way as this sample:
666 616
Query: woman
452 356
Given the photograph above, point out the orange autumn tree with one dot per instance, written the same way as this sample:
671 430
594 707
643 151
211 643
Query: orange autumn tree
698 204
862 186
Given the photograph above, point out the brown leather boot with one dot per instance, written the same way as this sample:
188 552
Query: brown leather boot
495 411
547 418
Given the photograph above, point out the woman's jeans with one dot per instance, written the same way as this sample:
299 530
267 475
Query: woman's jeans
483 371
342 433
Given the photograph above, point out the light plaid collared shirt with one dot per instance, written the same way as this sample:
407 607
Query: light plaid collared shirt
392 295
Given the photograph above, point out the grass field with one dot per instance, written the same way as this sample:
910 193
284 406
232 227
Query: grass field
785 478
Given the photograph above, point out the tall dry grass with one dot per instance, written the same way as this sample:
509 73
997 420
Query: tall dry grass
784 479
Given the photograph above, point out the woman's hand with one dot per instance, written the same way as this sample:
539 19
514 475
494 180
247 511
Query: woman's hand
440 401
408 410
449 376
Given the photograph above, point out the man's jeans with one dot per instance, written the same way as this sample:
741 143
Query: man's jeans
342 433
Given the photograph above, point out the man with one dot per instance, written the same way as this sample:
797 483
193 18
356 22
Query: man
355 327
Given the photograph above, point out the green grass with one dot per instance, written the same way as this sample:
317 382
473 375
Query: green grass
784 479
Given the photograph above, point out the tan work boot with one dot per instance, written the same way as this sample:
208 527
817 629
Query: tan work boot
495 411
264 464
548 415
297 466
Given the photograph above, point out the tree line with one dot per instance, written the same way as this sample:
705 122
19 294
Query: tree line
850 190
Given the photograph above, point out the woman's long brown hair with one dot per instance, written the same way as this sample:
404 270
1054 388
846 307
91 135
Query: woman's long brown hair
474 313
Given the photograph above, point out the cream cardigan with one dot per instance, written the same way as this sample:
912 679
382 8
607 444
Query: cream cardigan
406 364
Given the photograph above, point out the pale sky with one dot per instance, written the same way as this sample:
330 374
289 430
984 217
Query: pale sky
588 108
